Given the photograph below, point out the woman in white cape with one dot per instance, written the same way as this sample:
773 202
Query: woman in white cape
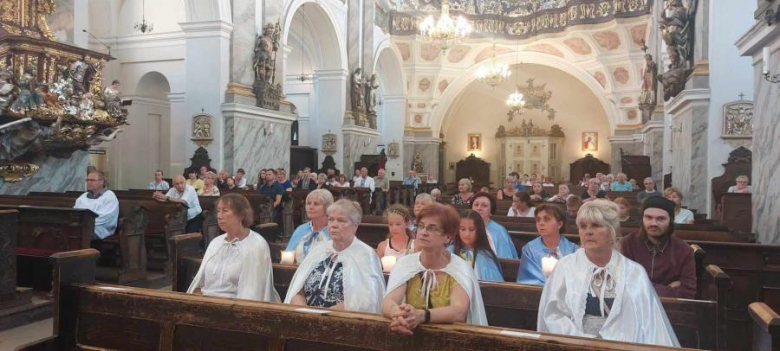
343 273
236 264
433 285
597 292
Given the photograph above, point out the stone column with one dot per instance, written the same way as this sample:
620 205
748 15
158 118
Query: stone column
391 113
330 110
179 139
358 141
368 37
427 146
242 74
653 138
689 112
207 74
766 153
354 51
631 144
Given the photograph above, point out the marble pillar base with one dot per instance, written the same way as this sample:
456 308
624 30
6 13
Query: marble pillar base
255 139
653 136
689 112
358 141
55 175
429 154
629 142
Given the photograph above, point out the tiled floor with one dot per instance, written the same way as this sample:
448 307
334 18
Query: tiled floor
13 338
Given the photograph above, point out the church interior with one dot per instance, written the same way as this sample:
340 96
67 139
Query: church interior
389 174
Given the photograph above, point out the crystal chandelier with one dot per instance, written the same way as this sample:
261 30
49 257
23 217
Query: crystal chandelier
446 31
144 27
516 104
493 73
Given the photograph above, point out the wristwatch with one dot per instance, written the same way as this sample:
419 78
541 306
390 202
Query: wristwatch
167 198
427 316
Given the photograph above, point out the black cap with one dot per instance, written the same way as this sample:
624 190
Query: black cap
662 203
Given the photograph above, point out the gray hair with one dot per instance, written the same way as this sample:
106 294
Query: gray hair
425 197
101 176
650 179
324 195
434 191
602 212
465 181
351 208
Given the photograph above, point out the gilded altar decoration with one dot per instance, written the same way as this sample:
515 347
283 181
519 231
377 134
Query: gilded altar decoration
535 97
529 130
678 35
51 96
394 150
15 172
517 19
738 123
267 91
201 129
330 144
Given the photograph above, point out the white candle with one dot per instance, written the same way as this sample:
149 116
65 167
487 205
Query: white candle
388 262
766 60
288 257
548 264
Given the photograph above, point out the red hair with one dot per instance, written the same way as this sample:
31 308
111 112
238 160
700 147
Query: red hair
446 214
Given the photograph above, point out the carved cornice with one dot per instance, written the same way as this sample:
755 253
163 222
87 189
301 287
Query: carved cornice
517 21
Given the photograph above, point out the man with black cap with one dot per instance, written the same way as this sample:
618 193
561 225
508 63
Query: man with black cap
667 259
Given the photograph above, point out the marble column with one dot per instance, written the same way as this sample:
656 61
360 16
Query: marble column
358 141
367 43
207 74
390 122
329 101
427 147
689 112
255 139
653 139
630 143
242 74
354 50
766 131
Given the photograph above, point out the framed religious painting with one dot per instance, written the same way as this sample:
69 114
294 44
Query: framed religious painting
590 141
475 142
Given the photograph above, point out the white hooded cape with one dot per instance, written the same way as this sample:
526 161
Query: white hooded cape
409 265
256 281
637 314
364 283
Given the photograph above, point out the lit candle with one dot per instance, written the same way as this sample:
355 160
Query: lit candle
388 262
288 257
766 60
548 264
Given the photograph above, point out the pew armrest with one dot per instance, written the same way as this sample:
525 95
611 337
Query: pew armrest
40 345
182 246
73 267
764 317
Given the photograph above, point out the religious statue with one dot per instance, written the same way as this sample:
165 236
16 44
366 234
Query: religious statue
647 98
81 74
371 86
201 127
24 135
28 98
676 32
106 134
357 93
501 132
417 164
113 100
264 54
393 150
6 87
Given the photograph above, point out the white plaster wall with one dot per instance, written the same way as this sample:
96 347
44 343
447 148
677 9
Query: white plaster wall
481 110
730 74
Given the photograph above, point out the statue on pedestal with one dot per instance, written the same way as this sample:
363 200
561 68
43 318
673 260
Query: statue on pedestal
268 95
647 98
676 32
371 86
357 93
417 164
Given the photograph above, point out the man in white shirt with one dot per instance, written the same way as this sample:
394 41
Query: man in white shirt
159 183
364 181
103 202
183 193
240 179
412 179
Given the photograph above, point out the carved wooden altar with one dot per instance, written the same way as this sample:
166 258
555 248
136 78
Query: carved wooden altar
529 150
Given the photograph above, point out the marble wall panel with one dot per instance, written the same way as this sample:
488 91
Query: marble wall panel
766 159
242 43
356 145
259 144
697 192
429 153
55 175
228 145
654 144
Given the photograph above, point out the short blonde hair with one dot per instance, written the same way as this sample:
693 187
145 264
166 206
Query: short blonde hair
671 190
324 195
743 177
466 182
602 212
351 208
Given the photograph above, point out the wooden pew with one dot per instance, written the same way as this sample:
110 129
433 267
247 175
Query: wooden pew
94 316
766 327
512 305
736 212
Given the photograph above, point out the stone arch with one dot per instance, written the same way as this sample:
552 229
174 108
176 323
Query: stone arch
333 54
456 87
387 60
207 10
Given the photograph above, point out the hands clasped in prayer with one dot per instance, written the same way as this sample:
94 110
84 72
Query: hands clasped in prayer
405 318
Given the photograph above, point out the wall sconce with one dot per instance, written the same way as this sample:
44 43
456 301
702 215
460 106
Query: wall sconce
767 75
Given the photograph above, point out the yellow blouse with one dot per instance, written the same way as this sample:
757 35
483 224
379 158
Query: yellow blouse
197 184
439 296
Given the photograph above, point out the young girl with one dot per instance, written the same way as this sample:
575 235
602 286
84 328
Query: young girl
473 245
550 223
400 241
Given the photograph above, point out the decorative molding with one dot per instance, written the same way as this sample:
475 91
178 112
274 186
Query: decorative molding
240 89
701 69
253 112
687 99
206 29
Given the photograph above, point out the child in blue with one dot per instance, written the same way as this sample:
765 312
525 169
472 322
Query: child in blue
550 223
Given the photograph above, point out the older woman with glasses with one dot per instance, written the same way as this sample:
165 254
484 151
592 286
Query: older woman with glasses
598 292
433 285
343 273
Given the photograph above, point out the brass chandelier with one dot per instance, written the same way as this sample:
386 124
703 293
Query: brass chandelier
447 32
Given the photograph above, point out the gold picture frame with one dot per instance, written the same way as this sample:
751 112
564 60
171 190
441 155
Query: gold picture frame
474 142
590 141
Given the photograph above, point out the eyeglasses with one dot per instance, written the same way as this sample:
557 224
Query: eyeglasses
430 228
93 180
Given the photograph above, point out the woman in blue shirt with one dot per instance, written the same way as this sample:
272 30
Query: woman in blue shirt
485 204
315 231
550 223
